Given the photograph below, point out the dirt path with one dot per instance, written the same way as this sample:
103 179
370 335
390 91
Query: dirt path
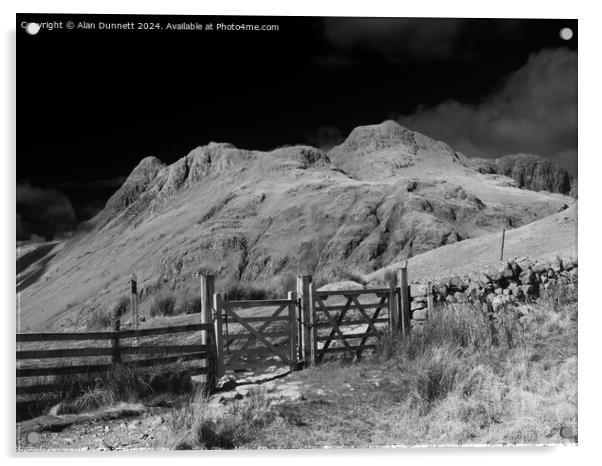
137 427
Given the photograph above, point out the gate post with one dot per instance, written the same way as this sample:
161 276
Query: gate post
207 336
430 305
219 347
304 298
292 329
116 355
404 298
134 304
207 290
313 330
393 313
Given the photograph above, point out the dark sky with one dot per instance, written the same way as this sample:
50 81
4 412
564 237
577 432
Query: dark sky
92 103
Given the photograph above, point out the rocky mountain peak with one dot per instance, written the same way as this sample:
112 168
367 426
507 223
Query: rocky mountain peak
372 138
136 183
528 170
262 217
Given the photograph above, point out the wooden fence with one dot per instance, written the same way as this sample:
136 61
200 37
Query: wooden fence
76 360
302 329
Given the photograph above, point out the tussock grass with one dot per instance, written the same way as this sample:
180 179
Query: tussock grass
278 289
105 317
194 426
236 291
243 291
100 319
337 274
163 305
190 305
463 379
155 385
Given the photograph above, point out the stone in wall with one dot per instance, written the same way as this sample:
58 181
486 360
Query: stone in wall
510 282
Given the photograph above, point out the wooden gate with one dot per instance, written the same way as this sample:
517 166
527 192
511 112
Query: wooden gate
353 323
239 325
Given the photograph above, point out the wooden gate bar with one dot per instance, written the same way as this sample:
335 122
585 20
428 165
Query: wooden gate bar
347 323
304 299
429 300
252 338
404 298
393 315
377 291
259 336
370 328
333 324
313 335
292 328
219 346
340 307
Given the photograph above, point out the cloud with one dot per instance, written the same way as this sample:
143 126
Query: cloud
324 137
395 38
415 40
110 183
89 198
534 111
44 212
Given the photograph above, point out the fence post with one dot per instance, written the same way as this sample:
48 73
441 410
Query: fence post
134 304
116 356
210 363
488 311
219 348
404 298
429 299
503 239
207 290
292 329
313 330
304 298
393 324
207 336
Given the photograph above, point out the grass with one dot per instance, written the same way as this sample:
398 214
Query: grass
193 426
100 319
338 274
154 386
463 379
242 291
277 290
163 305
103 318
191 305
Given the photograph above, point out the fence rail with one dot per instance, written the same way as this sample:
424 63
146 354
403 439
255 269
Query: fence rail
110 335
306 318
160 354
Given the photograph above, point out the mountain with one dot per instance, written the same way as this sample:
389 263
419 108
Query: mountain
386 193
530 172
555 235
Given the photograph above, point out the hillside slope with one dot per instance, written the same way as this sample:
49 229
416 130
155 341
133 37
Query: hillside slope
552 236
385 194
530 172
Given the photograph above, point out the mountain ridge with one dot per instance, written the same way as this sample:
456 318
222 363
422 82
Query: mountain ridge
383 195
530 171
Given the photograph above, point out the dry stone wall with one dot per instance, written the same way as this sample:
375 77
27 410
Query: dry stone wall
513 282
